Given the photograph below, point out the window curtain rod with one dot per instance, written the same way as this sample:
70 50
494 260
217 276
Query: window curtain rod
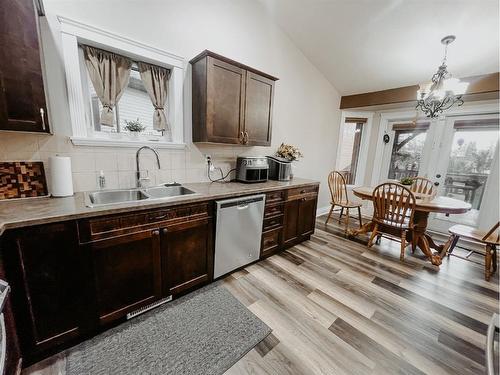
135 67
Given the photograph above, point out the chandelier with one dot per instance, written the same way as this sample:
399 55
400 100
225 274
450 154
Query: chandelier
443 91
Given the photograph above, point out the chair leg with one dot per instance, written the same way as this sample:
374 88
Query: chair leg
453 243
372 236
413 243
359 217
347 221
341 213
494 258
329 214
403 245
487 263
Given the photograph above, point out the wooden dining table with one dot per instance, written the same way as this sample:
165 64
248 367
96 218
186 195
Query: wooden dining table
423 207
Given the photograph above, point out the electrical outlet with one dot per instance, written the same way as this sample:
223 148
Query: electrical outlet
208 159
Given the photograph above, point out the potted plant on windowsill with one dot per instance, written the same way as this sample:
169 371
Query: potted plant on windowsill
289 152
134 127
407 181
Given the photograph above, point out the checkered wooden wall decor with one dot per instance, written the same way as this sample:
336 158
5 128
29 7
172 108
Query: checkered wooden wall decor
22 179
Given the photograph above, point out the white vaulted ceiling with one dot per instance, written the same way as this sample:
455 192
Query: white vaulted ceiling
369 45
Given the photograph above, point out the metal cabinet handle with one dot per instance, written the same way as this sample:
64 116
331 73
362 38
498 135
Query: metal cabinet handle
241 137
246 137
42 115
159 217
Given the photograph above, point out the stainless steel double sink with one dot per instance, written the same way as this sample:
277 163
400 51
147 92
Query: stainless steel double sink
106 197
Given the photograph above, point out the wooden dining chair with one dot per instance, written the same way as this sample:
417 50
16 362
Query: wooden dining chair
393 210
422 185
338 192
490 239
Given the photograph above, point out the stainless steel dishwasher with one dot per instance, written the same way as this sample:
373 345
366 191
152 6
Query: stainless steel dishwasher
238 232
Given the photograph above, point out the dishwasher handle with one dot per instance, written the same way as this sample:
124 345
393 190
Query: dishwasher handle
240 202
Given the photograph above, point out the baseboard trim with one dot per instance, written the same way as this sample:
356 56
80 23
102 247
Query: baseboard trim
322 210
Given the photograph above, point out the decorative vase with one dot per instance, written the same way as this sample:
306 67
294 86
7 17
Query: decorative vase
291 170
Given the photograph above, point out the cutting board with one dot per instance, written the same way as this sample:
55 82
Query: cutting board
22 179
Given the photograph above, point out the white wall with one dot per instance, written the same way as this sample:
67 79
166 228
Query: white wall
306 104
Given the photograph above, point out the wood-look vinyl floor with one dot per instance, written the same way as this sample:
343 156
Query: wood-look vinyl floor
337 307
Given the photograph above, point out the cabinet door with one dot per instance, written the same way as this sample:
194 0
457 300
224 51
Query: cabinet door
307 215
258 109
225 101
127 273
291 221
187 255
44 271
22 97
270 242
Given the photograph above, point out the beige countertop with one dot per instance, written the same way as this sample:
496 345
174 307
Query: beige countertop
33 211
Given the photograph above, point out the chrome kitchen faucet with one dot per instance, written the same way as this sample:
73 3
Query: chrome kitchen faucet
138 171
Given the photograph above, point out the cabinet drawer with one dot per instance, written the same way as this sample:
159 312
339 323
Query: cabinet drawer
274 210
270 242
297 192
273 222
116 225
275 196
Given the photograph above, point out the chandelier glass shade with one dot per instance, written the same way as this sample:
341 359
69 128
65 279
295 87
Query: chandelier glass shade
443 91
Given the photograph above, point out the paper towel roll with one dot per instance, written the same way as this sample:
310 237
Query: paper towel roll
61 179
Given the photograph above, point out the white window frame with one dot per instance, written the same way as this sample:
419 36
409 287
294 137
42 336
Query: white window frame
72 34
363 146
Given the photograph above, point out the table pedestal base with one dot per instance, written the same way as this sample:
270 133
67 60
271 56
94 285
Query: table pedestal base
417 238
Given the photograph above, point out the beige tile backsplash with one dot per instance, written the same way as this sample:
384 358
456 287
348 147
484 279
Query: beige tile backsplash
118 164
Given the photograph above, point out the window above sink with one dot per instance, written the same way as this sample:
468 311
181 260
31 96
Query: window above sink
132 104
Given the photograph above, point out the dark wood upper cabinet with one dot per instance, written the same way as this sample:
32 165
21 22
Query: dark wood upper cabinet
22 96
225 109
187 255
127 273
258 109
232 103
42 265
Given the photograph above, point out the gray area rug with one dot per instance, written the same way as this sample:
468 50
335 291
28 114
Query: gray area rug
205 332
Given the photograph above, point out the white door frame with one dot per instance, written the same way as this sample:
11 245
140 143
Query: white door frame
363 146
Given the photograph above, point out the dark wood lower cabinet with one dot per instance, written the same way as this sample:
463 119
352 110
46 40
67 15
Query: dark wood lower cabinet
127 273
299 218
307 215
72 279
187 255
42 267
291 222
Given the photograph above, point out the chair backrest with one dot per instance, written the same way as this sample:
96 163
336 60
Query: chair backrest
491 232
338 187
393 205
422 185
